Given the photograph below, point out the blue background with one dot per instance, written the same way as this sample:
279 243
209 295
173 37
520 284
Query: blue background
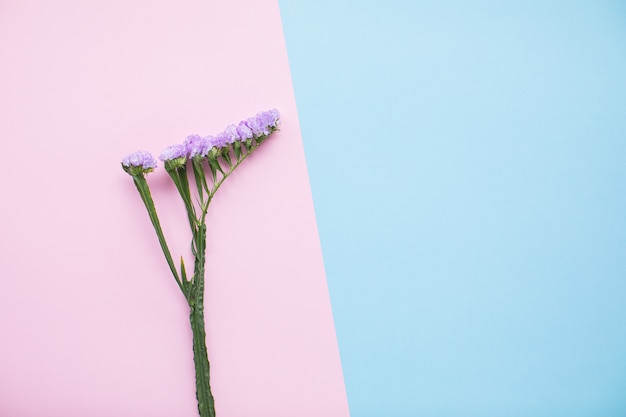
468 168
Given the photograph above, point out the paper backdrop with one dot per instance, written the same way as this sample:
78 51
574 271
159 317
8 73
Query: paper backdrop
468 166
91 322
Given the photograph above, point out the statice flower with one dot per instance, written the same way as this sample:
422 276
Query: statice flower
270 118
174 156
173 152
244 131
264 123
219 141
213 159
256 125
139 162
231 134
196 145
207 144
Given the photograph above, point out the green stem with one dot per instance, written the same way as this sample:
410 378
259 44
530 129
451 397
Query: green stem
144 192
206 402
218 183
198 173
179 177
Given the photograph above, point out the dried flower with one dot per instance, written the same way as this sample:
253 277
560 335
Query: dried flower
195 145
173 152
264 123
219 141
270 118
139 162
174 157
207 144
231 134
256 125
212 159
244 131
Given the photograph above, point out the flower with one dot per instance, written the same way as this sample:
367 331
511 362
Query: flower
244 131
173 152
221 155
231 134
264 123
256 125
195 145
142 159
174 157
139 162
270 118
218 141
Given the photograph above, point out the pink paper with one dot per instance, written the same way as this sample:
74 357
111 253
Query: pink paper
91 321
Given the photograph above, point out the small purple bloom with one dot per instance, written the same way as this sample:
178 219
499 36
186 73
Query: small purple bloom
195 145
244 131
231 134
219 141
207 145
265 123
142 159
256 125
173 152
275 117
269 118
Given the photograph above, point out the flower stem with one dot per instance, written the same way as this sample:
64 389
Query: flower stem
146 197
206 402
218 183
179 178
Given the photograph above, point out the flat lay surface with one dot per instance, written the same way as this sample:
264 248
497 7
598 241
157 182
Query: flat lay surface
463 164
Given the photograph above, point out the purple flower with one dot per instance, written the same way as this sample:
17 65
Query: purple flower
195 145
230 134
270 118
256 125
276 115
219 141
264 122
173 152
244 131
141 159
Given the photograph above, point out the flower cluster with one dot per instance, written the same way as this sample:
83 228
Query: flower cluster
241 137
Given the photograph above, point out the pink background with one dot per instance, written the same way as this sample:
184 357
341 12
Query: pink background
91 322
